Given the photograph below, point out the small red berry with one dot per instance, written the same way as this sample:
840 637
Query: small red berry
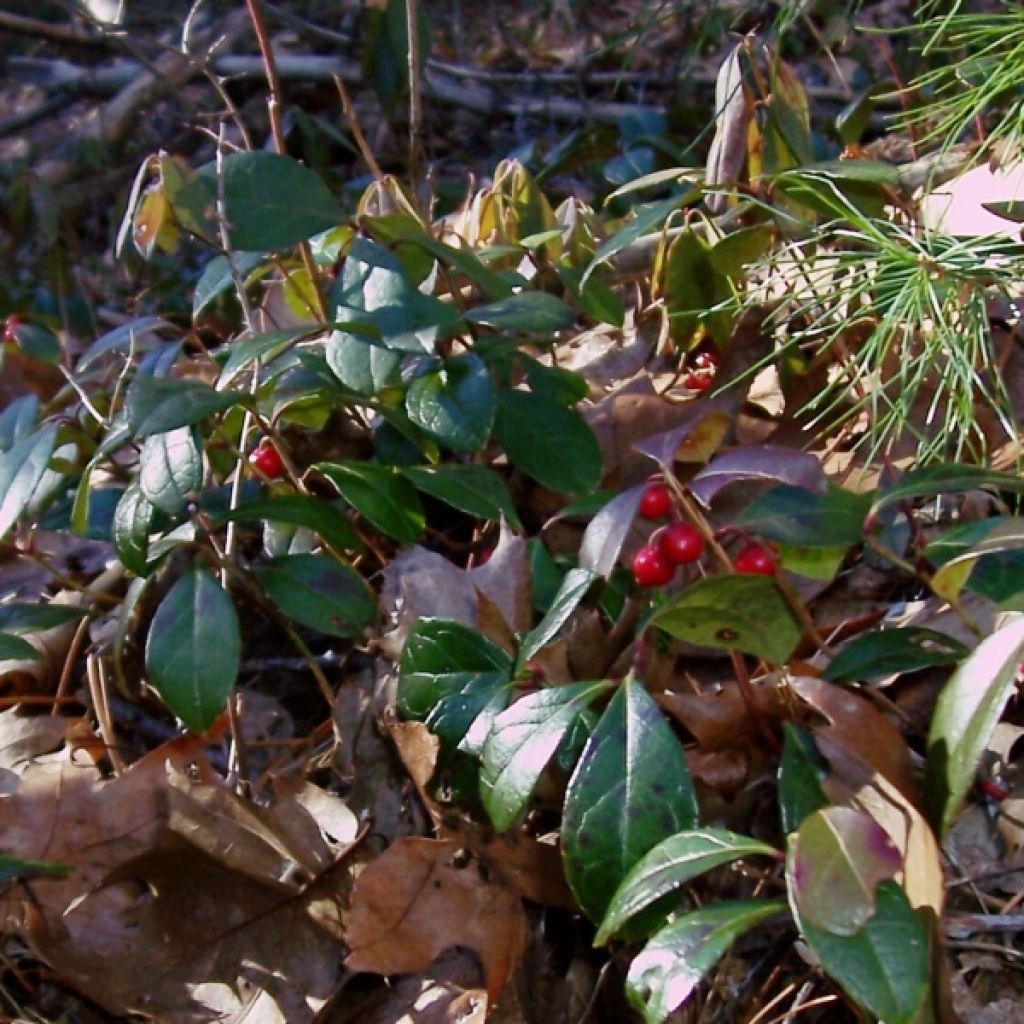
755 560
705 361
651 568
11 325
267 460
680 543
698 381
655 502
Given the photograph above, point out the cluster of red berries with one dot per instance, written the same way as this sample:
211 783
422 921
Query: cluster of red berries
678 544
267 459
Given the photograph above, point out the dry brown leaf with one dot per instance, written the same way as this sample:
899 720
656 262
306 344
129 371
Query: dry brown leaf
25 737
418 899
148 921
860 728
505 579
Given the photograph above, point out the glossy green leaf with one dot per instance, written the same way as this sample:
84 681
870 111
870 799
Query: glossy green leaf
1002 545
966 712
548 442
733 613
476 490
573 589
13 648
442 657
522 741
801 772
242 352
456 680
12 868
319 592
454 403
795 515
631 789
133 522
171 468
37 342
464 262
671 966
270 201
885 966
156 405
22 466
380 494
889 651
367 367
315 514
193 649
671 864
528 312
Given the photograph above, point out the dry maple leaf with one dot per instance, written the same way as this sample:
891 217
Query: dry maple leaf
418 899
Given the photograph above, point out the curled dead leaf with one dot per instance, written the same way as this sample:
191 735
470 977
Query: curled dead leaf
420 898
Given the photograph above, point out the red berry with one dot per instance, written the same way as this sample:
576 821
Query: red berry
680 543
11 325
655 502
706 361
698 381
267 460
651 568
755 560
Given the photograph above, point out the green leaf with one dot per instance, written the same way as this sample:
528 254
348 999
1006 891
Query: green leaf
193 649
464 262
133 521
607 531
17 419
795 515
801 771
25 617
171 468
22 466
476 490
891 651
647 218
670 967
367 367
631 789
13 648
966 713
37 342
944 479
573 589
733 613
522 741
529 312
303 510
381 494
319 592
454 403
270 201
693 288
548 442
885 966
157 405
835 861
216 277
731 254
244 351
12 868
671 864
451 675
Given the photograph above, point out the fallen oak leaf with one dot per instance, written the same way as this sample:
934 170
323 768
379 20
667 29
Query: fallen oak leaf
418 899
